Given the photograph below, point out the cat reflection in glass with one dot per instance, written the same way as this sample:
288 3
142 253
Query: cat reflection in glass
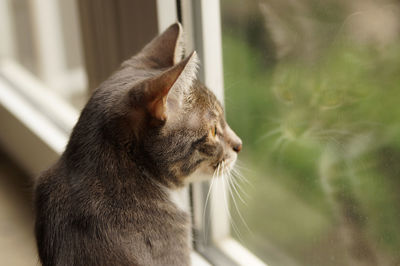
141 136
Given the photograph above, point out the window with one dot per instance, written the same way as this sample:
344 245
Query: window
312 87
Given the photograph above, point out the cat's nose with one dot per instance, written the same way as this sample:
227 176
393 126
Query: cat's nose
234 141
237 147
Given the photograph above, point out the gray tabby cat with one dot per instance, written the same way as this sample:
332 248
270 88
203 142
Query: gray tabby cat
143 132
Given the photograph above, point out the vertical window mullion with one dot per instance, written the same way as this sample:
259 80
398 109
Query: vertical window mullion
166 14
7 44
48 36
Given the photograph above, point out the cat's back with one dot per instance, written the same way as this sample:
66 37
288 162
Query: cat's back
50 187
67 230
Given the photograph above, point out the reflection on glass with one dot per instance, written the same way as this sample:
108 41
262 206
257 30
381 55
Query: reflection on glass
313 89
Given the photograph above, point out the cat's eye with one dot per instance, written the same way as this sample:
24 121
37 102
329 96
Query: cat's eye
214 131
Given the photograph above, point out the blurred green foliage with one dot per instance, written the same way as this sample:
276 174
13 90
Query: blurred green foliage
293 115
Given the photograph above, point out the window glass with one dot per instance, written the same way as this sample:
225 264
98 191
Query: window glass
313 89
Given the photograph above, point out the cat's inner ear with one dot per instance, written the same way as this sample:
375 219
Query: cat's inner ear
169 88
166 49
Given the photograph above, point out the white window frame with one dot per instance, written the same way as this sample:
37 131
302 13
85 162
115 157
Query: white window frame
39 121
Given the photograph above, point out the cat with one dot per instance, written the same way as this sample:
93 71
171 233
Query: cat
142 134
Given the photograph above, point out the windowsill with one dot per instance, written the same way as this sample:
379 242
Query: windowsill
198 260
30 137
239 254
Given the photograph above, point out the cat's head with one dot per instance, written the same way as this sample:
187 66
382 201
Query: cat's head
169 123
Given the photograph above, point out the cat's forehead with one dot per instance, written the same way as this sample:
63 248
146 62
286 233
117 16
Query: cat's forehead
206 100
203 111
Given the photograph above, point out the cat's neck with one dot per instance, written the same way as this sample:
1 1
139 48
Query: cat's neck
178 197
105 164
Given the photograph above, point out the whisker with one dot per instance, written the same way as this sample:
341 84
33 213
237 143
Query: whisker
238 187
205 232
226 205
231 181
241 178
240 165
237 208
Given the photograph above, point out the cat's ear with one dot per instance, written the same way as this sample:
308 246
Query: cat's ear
166 49
169 88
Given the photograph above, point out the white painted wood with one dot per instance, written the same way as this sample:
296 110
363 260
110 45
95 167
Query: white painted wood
188 25
26 134
48 37
180 198
43 98
7 44
212 46
238 253
198 260
166 14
